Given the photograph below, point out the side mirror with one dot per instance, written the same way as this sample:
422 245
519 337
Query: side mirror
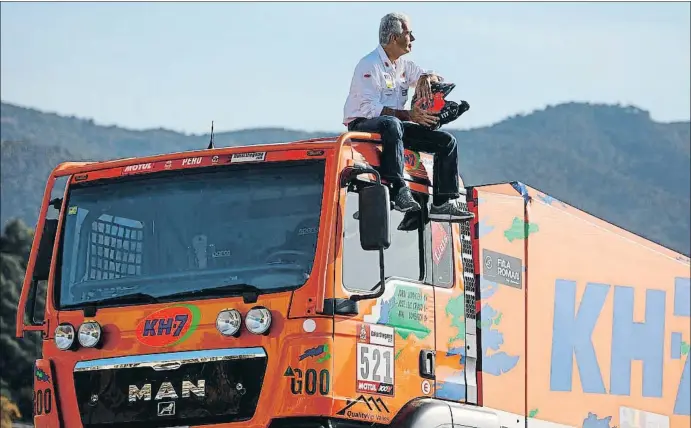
374 215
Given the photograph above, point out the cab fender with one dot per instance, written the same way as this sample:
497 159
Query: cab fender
423 412
434 413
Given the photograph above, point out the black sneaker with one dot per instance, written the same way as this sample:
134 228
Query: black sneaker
404 202
450 211
410 222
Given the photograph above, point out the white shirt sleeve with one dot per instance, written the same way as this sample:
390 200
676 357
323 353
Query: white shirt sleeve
414 71
367 90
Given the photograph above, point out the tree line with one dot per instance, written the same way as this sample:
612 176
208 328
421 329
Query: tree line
18 355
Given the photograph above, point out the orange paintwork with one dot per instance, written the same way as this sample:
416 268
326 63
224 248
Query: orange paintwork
568 251
46 410
286 341
569 245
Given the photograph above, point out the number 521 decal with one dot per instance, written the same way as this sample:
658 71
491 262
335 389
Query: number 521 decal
375 360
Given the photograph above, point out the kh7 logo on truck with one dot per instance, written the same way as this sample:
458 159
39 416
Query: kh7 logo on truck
168 326
632 340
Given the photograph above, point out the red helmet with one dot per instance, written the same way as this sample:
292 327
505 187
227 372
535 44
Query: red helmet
447 111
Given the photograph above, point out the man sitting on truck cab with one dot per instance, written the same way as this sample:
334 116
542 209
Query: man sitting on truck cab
376 102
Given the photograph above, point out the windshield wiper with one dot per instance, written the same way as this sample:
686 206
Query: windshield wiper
91 306
249 292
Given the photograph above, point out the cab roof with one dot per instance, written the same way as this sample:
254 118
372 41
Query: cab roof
358 146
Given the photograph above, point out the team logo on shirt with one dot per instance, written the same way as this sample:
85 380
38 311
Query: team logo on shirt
389 80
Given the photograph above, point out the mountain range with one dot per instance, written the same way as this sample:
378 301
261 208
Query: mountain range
611 161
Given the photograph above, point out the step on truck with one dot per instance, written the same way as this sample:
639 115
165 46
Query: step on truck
273 286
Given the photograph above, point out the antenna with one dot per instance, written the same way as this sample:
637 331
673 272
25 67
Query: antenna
211 141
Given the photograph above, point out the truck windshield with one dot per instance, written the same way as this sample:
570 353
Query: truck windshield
177 233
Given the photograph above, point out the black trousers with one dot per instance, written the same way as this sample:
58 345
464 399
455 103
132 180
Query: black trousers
397 136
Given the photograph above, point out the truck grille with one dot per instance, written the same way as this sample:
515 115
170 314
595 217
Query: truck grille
162 390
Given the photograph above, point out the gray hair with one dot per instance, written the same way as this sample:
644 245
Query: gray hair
391 25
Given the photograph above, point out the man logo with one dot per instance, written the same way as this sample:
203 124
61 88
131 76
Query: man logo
166 390
166 408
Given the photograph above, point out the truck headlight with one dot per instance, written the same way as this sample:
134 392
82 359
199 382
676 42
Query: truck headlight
64 337
228 322
258 320
89 334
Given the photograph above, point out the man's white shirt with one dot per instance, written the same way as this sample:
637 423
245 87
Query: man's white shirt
379 83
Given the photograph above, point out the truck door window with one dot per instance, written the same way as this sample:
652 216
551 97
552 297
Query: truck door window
361 268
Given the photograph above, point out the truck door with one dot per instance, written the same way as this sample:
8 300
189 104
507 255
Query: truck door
392 333
451 272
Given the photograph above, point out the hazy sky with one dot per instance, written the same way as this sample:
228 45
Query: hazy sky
181 65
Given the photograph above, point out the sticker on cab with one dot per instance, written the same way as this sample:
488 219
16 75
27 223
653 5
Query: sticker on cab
248 157
168 326
375 359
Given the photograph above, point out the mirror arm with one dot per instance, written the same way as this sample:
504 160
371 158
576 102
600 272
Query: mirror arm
376 174
380 291
357 169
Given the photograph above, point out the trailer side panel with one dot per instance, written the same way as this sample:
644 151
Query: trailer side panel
608 313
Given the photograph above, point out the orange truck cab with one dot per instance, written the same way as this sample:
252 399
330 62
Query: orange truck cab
272 286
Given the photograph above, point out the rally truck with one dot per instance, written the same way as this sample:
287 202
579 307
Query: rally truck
273 286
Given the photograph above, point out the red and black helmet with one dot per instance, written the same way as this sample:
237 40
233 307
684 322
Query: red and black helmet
447 111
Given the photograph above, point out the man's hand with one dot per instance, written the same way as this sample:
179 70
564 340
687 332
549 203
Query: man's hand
423 117
424 89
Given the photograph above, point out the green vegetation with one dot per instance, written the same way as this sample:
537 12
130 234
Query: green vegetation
17 356
8 412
